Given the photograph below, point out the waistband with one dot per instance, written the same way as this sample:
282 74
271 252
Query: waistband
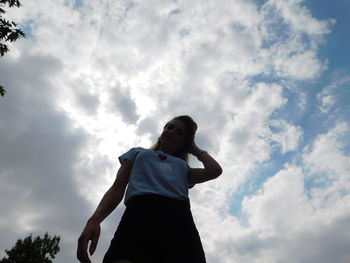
161 200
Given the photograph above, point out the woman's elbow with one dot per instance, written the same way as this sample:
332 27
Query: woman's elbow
220 171
217 172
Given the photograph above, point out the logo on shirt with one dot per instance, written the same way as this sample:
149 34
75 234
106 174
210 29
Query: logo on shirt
166 167
162 157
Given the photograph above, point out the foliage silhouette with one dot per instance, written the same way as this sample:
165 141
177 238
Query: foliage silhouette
33 250
8 31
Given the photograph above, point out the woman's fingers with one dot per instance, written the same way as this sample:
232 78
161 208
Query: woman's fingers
90 233
193 148
82 254
94 240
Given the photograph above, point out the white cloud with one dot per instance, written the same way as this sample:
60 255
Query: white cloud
302 101
39 148
327 102
327 97
281 206
300 66
105 77
327 163
288 135
300 18
292 36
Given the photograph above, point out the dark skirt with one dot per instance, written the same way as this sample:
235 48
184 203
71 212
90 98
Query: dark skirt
156 229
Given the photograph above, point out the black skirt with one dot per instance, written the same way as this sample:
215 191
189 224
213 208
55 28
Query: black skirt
156 229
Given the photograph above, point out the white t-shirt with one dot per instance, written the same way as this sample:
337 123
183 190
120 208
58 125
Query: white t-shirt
155 172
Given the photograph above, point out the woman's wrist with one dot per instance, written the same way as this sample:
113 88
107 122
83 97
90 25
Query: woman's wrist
199 153
94 220
196 151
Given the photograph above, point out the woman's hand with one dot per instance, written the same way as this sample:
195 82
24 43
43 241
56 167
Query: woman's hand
91 233
194 150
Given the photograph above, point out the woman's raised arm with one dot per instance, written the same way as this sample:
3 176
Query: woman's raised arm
212 168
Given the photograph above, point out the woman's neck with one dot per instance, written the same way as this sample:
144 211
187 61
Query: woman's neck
166 150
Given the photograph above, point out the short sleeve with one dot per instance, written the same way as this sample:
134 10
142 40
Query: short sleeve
130 155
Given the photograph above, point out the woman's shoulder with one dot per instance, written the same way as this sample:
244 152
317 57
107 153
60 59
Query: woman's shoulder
138 149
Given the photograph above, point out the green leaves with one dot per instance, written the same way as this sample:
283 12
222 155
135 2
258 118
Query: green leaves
2 91
8 31
3 49
10 3
33 250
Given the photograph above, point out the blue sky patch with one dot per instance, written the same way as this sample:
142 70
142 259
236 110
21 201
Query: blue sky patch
27 28
78 4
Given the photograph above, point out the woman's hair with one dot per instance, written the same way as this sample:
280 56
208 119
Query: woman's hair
190 131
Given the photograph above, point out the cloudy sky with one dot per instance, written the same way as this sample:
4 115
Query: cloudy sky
267 81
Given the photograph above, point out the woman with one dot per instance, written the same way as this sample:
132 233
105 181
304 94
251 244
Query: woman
157 225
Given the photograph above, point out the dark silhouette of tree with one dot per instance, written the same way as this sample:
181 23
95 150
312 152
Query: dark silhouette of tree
8 30
37 250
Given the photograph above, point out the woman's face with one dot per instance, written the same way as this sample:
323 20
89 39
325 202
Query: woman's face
173 136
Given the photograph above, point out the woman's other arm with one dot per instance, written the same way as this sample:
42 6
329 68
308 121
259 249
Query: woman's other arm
109 202
114 195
